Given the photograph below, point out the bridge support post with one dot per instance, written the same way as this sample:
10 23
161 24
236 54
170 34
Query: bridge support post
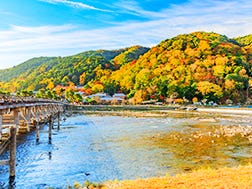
37 124
50 128
1 124
28 119
58 116
37 131
16 118
12 161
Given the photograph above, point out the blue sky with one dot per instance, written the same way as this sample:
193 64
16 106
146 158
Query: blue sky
33 28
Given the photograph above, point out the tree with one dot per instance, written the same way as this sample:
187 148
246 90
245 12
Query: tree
50 85
142 79
98 87
78 98
110 88
24 93
69 95
82 78
210 91
65 80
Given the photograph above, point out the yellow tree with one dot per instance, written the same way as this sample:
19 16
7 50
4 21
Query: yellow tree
98 87
82 78
142 78
50 85
210 90
229 85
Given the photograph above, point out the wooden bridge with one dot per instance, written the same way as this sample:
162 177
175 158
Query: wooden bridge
19 116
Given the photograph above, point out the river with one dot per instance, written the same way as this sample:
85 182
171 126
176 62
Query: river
107 147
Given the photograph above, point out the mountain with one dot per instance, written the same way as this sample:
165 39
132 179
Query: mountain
192 67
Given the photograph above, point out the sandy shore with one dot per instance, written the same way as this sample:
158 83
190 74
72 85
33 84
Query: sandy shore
226 110
164 113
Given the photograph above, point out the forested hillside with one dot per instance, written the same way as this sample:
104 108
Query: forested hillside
24 68
79 69
186 68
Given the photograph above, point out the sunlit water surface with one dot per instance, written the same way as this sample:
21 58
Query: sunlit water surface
99 148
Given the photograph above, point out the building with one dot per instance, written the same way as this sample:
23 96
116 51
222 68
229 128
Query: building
103 98
120 95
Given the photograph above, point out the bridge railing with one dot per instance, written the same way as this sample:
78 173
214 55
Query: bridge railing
10 100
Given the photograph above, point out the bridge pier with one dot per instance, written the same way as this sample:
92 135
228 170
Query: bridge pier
58 116
16 118
37 132
28 121
13 143
1 125
50 128
36 115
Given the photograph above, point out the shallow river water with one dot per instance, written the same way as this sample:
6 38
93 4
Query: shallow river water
106 147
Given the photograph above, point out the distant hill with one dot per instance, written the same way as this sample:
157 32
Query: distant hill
39 72
245 40
129 55
8 74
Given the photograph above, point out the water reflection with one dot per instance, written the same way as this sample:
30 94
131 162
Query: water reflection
49 155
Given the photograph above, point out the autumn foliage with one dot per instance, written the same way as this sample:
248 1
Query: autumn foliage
202 65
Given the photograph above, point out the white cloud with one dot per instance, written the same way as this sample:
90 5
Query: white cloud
231 18
74 4
42 29
133 8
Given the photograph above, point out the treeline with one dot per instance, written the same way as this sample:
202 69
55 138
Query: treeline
187 68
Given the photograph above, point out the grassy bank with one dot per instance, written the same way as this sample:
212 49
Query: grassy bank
239 177
224 178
